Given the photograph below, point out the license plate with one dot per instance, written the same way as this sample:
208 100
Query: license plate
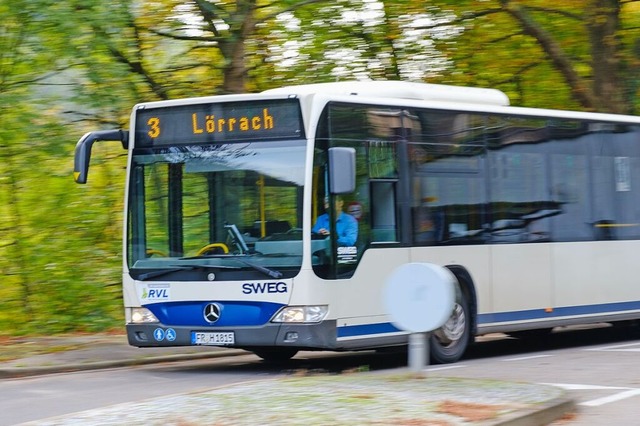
212 339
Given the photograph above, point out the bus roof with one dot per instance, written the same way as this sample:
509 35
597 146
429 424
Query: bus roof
437 96
401 90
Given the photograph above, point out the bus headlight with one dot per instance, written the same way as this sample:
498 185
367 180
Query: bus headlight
301 314
142 316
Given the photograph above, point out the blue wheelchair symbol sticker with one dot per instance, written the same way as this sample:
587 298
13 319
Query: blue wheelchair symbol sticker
170 334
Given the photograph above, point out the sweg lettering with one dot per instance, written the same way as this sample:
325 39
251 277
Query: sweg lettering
272 287
347 250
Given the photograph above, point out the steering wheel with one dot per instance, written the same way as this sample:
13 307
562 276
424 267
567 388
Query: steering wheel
214 247
151 252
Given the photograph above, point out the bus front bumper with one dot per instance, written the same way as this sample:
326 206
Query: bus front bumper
311 336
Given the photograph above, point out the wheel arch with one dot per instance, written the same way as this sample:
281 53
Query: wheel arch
468 289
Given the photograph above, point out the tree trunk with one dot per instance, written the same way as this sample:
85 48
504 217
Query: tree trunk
579 88
233 48
608 86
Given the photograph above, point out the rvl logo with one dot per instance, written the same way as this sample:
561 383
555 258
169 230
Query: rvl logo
156 292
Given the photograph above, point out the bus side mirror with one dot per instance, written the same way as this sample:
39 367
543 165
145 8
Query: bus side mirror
342 167
83 150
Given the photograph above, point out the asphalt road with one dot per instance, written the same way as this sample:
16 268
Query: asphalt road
598 367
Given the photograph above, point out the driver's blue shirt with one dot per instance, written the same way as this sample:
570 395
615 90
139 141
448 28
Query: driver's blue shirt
346 227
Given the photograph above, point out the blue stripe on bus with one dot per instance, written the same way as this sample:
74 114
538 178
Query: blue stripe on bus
259 313
233 314
367 329
498 317
534 314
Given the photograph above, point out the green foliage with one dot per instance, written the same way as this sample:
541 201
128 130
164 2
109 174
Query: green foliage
49 285
60 251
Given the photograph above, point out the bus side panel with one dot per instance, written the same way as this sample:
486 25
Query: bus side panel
361 296
596 273
476 259
522 277
358 306
308 289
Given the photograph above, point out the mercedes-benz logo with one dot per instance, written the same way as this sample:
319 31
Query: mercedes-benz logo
212 312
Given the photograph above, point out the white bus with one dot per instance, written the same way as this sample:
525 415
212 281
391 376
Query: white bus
535 212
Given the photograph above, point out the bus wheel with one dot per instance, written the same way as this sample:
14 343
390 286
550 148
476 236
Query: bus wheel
449 342
276 355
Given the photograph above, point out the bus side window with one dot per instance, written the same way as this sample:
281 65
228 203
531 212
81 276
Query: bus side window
384 226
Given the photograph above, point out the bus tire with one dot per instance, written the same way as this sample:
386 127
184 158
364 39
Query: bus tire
449 342
275 355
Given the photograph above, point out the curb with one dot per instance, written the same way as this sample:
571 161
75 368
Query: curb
546 414
18 372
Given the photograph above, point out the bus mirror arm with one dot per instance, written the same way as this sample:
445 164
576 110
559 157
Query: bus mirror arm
83 150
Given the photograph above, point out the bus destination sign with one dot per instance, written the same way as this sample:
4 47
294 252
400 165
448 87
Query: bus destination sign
256 120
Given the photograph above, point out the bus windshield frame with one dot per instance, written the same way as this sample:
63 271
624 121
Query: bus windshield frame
220 205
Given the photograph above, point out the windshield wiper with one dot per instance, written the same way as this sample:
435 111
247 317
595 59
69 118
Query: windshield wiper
160 272
270 272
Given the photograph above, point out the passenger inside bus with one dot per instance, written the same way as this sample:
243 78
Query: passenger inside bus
346 225
355 209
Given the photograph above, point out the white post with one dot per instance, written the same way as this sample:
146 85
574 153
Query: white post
419 298
418 351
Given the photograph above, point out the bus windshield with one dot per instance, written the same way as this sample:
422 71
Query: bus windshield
210 212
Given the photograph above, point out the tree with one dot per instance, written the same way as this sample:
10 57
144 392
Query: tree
571 54
222 35
345 40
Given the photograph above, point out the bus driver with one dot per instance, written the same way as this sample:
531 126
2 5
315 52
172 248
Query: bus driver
346 225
